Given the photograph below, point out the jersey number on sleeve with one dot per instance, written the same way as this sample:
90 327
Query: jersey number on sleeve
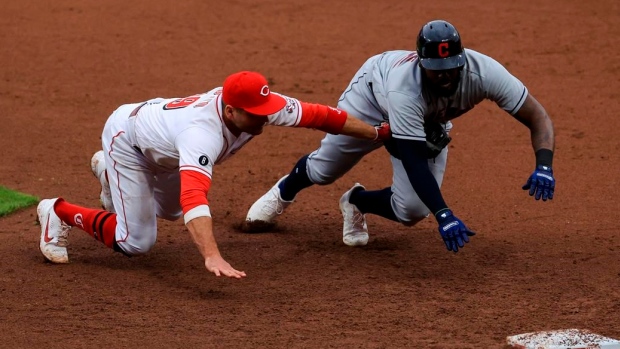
181 102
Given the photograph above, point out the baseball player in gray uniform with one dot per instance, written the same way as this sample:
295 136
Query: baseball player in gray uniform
418 92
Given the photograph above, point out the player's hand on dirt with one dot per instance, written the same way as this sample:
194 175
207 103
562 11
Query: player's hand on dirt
383 132
218 266
541 183
453 231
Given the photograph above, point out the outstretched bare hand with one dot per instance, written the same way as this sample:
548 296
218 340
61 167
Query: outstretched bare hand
218 266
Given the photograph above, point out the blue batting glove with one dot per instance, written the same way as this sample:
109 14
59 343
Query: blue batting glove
453 231
541 183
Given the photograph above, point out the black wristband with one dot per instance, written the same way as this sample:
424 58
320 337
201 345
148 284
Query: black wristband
440 211
544 157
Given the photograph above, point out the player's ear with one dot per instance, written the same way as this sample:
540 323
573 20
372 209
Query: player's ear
228 111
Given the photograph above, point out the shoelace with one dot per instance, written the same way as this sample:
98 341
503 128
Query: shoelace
358 219
272 204
63 236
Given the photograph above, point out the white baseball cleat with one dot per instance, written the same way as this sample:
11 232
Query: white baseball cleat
54 233
266 209
354 228
97 165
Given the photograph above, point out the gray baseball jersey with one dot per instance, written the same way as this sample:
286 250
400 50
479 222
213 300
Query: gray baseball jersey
396 85
389 87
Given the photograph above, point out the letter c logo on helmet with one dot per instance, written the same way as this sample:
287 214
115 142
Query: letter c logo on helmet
264 91
442 50
439 46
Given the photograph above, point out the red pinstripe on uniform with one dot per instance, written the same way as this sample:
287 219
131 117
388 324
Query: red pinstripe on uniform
118 178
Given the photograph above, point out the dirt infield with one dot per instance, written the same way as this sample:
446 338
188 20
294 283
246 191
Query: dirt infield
66 64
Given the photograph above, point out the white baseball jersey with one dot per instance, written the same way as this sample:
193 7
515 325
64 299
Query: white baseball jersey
190 134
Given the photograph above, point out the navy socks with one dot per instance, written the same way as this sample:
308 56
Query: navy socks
296 181
376 202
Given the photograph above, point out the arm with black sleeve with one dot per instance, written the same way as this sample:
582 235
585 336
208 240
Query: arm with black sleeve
413 155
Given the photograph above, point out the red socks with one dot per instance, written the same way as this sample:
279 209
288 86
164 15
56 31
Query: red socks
99 224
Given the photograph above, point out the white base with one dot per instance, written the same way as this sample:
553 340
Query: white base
562 339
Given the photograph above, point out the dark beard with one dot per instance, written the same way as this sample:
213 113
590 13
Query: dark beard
438 90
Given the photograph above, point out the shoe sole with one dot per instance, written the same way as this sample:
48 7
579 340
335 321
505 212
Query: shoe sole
357 241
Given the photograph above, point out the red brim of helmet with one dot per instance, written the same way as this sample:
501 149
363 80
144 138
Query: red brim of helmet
274 104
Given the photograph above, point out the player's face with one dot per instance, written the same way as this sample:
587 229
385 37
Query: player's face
443 82
248 123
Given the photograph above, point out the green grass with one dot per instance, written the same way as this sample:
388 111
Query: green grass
11 201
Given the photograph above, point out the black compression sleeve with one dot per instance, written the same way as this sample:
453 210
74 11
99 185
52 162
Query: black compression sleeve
413 155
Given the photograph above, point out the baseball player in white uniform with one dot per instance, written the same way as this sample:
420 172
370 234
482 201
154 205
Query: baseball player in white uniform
158 158
419 92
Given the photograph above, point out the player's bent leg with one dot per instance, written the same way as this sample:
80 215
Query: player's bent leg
415 220
97 166
377 202
296 181
136 232
57 216
167 191
409 209
132 186
336 156
135 245
98 223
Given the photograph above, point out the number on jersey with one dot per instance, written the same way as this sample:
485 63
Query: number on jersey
181 102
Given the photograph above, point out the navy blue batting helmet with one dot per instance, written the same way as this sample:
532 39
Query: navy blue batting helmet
439 46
